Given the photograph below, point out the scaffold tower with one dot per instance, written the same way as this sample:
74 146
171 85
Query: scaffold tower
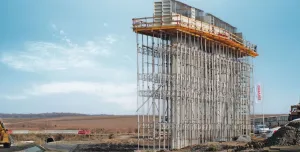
194 78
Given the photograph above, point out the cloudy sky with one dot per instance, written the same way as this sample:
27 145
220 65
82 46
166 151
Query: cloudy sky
80 56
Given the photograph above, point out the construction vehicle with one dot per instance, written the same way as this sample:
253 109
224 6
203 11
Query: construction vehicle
295 112
5 138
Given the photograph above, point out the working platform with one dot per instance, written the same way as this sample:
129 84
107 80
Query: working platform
176 22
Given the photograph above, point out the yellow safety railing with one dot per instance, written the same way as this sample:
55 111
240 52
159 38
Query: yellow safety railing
178 20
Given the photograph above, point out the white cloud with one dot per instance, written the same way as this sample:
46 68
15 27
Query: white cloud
47 56
17 97
61 32
93 56
122 94
90 59
83 87
110 39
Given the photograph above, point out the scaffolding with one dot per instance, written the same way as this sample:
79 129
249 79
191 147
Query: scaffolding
194 81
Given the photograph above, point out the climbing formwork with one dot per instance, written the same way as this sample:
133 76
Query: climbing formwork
194 78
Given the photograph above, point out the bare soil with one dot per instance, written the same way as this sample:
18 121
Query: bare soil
120 124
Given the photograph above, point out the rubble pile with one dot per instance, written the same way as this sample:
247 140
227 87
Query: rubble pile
295 124
286 136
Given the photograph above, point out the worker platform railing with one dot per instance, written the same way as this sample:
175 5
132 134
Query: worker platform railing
195 27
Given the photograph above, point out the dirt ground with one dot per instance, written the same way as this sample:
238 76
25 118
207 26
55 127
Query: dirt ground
108 123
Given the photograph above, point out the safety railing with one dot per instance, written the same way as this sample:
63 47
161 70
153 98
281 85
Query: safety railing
152 21
186 22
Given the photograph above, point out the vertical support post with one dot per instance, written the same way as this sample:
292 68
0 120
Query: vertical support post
137 99
143 87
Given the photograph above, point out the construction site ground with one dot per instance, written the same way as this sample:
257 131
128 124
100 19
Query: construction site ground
111 135
122 144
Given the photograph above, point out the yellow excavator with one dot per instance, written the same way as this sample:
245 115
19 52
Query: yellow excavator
5 138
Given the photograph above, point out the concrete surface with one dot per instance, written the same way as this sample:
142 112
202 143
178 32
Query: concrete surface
62 147
12 148
22 148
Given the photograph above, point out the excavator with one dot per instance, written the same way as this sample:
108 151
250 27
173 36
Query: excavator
295 112
5 138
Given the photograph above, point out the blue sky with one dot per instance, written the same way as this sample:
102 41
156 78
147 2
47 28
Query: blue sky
79 56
